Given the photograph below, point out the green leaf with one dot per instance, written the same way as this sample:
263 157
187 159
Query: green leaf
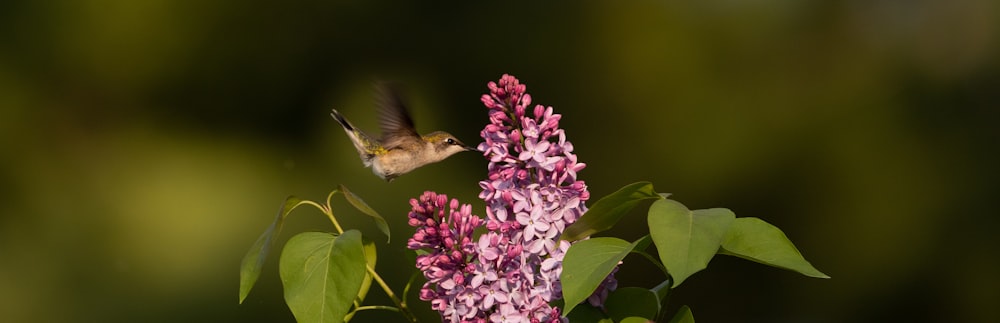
642 243
662 290
370 258
360 204
608 210
253 261
759 241
635 319
322 274
586 264
683 315
632 302
587 314
686 240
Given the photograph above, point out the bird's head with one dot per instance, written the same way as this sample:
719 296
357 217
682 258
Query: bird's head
443 145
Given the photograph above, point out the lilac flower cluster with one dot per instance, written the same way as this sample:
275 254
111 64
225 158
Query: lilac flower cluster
448 237
511 273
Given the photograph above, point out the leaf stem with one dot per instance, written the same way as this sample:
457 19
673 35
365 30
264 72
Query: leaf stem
388 291
662 292
375 307
652 260
329 213
330 196
350 315
406 290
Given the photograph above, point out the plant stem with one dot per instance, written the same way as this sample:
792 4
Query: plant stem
663 292
376 307
329 196
406 290
388 291
329 213
653 260
350 315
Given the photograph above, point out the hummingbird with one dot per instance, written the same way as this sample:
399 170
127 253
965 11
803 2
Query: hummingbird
400 149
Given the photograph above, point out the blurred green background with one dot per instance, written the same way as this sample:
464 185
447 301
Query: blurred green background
146 144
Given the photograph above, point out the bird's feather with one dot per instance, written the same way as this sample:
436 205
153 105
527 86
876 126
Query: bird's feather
394 119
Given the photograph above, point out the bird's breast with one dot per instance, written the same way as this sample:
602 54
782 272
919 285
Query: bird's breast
398 161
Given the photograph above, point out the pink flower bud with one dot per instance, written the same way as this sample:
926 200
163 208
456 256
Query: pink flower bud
492 225
426 294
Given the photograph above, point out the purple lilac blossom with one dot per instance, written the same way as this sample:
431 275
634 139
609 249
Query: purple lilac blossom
511 273
445 230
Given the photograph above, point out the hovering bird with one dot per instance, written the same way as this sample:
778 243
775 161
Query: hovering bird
400 149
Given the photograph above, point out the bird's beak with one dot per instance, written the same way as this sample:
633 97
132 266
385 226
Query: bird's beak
468 148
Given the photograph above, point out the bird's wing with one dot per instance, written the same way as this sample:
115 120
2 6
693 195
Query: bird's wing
393 117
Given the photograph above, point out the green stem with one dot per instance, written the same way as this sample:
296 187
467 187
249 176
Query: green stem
330 196
350 315
663 289
375 307
388 291
406 290
329 213
653 260
663 293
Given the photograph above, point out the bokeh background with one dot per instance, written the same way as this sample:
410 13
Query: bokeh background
144 145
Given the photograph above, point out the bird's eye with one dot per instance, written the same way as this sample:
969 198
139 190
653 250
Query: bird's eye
450 141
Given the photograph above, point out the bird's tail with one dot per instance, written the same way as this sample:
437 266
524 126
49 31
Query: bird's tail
367 148
340 119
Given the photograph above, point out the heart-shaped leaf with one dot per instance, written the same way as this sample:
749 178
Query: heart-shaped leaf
322 274
759 241
686 240
607 211
587 263
253 261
